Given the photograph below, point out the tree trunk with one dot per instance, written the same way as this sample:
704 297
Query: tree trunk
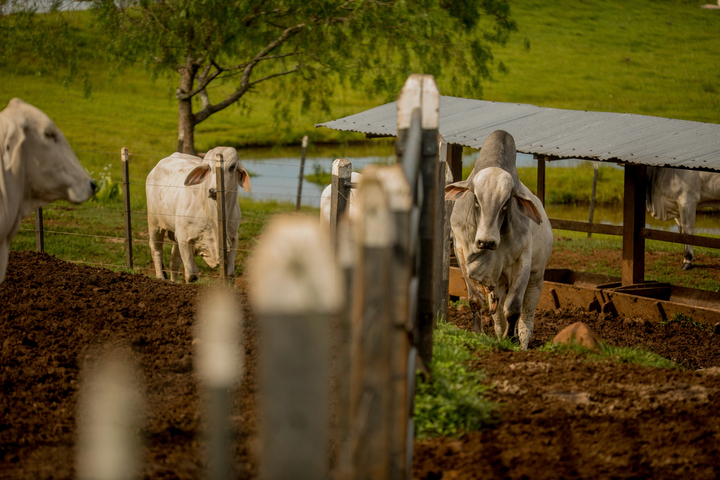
186 117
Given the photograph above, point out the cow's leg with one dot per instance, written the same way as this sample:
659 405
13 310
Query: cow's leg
530 303
157 236
187 253
686 224
513 305
475 291
499 320
175 262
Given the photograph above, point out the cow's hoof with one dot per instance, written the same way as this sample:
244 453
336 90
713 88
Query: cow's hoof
164 275
193 278
687 265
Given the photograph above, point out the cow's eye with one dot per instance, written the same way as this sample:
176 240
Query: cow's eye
51 136
477 203
232 168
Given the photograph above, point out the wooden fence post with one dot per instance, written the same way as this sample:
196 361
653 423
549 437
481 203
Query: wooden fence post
341 175
222 228
126 201
420 92
302 172
39 231
108 421
294 257
372 319
347 259
219 365
442 271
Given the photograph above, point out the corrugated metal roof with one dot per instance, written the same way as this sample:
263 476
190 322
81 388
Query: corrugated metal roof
617 137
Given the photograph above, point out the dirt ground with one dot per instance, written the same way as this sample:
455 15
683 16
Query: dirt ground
561 417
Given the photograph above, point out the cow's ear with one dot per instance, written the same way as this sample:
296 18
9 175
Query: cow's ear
456 190
243 179
528 209
197 175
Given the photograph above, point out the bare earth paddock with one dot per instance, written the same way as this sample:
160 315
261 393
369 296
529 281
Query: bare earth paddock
561 416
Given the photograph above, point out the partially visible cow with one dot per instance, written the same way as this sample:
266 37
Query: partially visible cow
37 166
672 193
325 200
181 201
502 239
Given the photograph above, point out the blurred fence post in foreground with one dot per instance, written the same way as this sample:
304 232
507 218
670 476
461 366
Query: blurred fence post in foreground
302 171
126 201
108 421
294 287
219 364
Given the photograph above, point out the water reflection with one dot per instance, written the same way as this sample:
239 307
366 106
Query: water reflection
276 178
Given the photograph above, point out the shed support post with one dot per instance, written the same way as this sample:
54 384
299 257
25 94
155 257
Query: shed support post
633 256
540 177
454 161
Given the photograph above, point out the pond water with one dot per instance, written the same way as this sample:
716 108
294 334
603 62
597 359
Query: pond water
276 178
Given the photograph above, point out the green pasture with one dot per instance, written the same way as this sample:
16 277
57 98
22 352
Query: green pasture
648 57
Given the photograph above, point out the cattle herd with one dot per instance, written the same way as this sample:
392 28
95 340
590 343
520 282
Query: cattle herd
502 235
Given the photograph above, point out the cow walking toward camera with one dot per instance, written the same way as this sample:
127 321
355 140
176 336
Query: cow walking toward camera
674 193
502 239
182 202
37 166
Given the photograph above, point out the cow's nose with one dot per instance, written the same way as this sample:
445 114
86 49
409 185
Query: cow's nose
486 245
93 186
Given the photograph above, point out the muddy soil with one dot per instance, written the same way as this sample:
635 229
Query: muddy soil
561 417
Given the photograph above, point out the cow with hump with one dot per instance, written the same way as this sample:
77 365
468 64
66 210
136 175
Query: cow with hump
502 240
37 166
182 202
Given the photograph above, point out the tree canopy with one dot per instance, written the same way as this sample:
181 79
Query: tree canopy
301 47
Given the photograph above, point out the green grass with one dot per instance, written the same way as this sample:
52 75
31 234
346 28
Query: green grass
632 355
451 401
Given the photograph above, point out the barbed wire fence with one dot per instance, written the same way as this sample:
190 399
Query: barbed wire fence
133 221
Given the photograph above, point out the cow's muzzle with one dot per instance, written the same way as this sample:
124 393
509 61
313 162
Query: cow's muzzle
212 193
486 244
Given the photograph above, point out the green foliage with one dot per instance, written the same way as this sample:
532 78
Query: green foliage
682 318
634 355
452 402
238 46
107 189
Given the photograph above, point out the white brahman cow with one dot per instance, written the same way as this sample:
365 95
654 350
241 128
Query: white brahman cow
325 200
672 193
37 166
502 239
181 200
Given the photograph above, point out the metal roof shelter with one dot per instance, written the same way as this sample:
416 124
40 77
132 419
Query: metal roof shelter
557 133
636 141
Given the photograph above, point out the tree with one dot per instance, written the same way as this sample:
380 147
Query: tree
301 46
38 34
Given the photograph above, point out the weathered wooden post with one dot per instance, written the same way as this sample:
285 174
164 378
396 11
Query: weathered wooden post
341 175
302 172
219 365
39 231
442 271
294 257
420 94
126 201
633 256
541 159
592 196
108 421
372 320
222 228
